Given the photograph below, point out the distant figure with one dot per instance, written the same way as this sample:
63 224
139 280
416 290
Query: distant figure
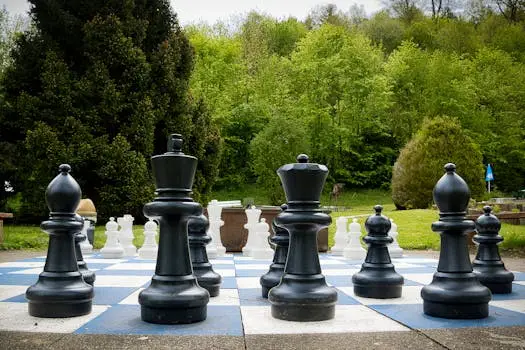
336 191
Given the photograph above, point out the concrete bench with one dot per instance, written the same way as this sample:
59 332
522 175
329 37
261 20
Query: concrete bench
2 217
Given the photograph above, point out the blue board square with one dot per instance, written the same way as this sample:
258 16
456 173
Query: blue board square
252 297
111 295
125 319
229 283
518 292
412 316
18 279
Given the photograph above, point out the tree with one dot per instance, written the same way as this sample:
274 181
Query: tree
513 10
406 10
420 164
108 93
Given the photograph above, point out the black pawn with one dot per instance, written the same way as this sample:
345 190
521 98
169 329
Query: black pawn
202 269
87 274
281 239
302 294
487 265
455 291
60 290
378 279
174 295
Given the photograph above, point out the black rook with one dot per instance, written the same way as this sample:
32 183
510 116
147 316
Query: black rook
173 295
281 239
303 294
455 291
60 290
488 266
202 269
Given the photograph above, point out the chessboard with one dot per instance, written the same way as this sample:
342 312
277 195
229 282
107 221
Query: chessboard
239 309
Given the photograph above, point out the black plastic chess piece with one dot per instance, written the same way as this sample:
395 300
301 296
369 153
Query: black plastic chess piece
87 274
378 279
455 291
202 269
174 295
60 290
487 265
281 239
303 294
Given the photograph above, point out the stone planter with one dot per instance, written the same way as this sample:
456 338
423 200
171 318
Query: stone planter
234 235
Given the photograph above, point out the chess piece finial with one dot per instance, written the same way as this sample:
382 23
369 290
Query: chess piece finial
63 192
175 143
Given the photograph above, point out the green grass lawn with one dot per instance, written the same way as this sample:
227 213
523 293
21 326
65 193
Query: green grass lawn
413 225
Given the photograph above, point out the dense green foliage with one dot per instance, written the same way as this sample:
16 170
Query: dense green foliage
100 85
355 90
421 161
349 90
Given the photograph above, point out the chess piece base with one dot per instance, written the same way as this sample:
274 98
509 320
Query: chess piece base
456 295
207 278
303 298
88 275
272 278
378 282
494 276
150 254
60 295
173 316
337 251
111 253
173 300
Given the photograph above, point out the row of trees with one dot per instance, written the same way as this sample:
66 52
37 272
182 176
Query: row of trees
350 91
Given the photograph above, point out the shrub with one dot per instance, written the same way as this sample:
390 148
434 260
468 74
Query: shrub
420 163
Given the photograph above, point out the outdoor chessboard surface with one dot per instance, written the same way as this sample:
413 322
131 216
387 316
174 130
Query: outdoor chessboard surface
240 309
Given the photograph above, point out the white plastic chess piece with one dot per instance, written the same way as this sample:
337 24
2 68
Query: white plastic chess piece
215 248
126 235
85 246
252 214
261 248
341 236
149 248
354 250
394 249
112 249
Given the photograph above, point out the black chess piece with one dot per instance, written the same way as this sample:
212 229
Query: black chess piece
302 294
202 268
378 278
87 274
60 290
487 265
455 291
281 239
174 295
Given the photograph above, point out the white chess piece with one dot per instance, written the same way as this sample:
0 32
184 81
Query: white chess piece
149 248
126 235
354 250
112 249
215 248
341 236
252 214
394 249
261 248
85 246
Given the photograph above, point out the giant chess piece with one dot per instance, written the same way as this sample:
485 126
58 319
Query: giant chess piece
87 274
455 291
173 295
126 236
149 248
252 215
341 235
85 246
378 278
394 249
354 250
281 239
60 290
215 248
261 248
202 269
487 265
112 249
303 294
